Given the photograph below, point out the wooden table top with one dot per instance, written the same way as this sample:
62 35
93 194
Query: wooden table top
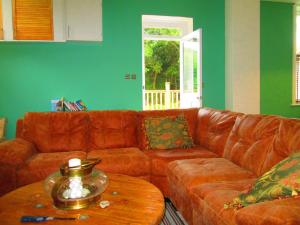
136 202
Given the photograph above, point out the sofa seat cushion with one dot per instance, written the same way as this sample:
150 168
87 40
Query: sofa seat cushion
193 172
41 165
161 158
183 175
208 201
129 161
202 190
277 212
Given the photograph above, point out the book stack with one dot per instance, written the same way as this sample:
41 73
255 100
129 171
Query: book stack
74 106
68 106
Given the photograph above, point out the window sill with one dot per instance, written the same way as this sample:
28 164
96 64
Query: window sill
295 104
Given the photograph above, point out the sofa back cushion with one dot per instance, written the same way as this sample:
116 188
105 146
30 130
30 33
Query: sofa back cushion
251 141
57 131
189 114
286 142
213 128
112 129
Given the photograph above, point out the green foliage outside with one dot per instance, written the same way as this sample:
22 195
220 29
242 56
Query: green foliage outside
163 31
161 64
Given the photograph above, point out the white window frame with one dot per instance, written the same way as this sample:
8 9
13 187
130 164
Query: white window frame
185 24
296 13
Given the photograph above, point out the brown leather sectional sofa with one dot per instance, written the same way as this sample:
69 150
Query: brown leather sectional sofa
231 151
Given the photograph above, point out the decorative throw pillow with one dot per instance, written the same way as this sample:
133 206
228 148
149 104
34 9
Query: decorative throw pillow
282 181
167 132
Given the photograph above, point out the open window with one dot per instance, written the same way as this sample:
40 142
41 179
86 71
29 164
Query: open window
171 63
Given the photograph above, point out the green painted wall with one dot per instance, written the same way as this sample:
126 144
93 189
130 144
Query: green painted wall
33 73
277 59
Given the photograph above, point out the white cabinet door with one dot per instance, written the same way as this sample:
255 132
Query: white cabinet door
84 20
8 29
59 21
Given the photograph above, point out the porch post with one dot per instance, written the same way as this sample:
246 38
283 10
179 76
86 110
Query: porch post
167 97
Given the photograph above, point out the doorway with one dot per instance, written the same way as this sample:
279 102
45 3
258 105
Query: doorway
171 63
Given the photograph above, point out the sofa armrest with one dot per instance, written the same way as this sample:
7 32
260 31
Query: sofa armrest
16 152
276 212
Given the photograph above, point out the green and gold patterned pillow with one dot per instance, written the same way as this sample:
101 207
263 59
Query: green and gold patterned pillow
167 132
282 181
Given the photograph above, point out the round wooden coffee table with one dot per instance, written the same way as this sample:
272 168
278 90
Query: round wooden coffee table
132 201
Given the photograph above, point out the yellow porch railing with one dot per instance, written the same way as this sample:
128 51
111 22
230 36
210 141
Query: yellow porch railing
161 99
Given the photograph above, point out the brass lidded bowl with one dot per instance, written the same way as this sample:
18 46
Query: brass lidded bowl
77 184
